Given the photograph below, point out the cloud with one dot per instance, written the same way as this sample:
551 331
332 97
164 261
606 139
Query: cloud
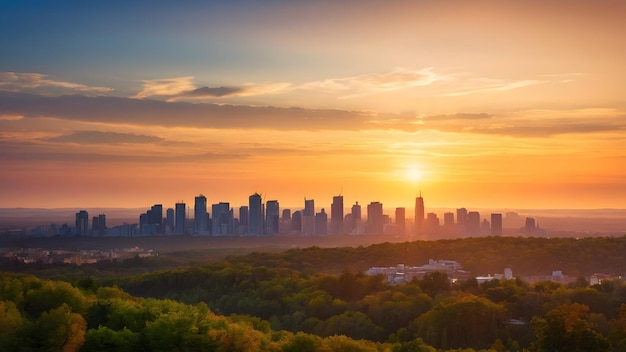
11 117
250 89
457 116
412 123
555 127
183 88
145 112
17 81
100 137
111 110
29 151
166 87
374 83
211 92
495 86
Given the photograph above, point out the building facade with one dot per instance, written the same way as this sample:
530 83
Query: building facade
200 218
255 222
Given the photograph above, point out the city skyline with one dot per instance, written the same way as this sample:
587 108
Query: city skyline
270 220
489 104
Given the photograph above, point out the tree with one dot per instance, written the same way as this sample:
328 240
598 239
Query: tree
435 283
53 294
104 339
60 330
353 324
617 330
465 321
302 342
341 343
566 328
11 321
416 345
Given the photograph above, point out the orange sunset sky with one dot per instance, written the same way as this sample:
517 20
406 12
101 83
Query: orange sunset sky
489 104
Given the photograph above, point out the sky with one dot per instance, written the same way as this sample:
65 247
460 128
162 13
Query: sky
477 104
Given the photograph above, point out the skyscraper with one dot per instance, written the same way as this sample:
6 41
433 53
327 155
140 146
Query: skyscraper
531 226
181 217
156 218
432 224
461 220
472 226
419 215
309 207
244 218
496 224
448 221
485 228
98 225
255 222
272 217
222 219
94 225
356 215
82 222
401 220
144 223
336 216
200 217
296 221
169 221
285 222
348 224
375 218
308 217
321 223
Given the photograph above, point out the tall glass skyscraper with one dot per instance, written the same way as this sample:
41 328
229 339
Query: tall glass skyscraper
156 218
255 221
375 218
200 217
336 216
82 222
308 217
272 213
222 219
419 215
181 217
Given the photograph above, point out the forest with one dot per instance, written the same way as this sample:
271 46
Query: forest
318 299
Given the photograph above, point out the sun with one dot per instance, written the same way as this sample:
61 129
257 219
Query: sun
413 174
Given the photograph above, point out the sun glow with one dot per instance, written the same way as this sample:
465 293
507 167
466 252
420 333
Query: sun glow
413 174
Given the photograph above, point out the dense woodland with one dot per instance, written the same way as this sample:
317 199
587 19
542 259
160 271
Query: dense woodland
316 299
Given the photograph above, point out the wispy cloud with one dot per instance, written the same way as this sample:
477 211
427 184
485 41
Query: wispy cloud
18 81
183 88
140 112
374 83
41 151
549 123
245 90
100 137
457 116
117 110
495 86
209 92
472 85
11 117
166 87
